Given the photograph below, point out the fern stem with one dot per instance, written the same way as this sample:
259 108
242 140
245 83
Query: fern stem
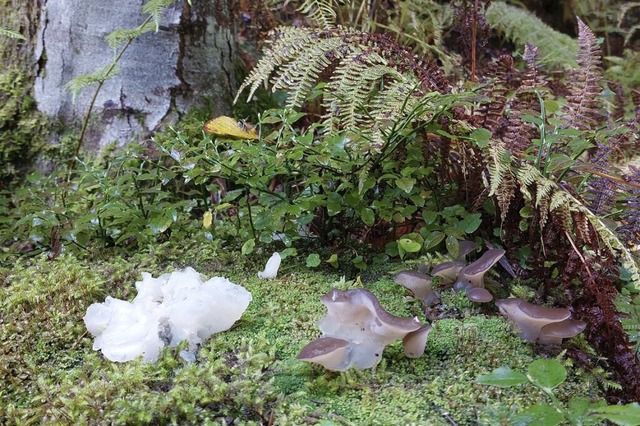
85 122
474 36
253 229
543 138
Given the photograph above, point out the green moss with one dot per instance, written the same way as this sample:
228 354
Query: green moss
249 374
21 126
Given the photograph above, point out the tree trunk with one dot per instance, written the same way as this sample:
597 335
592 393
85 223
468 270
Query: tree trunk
162 74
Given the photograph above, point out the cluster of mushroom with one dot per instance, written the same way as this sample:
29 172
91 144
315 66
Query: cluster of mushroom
468 278
356 330
535 323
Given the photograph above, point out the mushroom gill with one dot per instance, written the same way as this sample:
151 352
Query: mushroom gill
448 271
553 334
330 352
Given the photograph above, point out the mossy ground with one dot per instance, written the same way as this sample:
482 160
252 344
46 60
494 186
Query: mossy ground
249 374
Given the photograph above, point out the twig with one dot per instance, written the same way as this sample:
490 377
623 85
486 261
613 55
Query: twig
577 252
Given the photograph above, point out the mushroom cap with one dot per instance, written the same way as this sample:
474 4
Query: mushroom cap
554 333
357 314
415 342
530 318
479 295
330 352
472 275
419 284
448 271
535 311
464 248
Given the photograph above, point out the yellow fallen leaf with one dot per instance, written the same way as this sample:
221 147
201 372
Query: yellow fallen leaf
229 126
207 219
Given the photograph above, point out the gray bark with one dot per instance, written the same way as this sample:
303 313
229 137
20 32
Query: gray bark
162 75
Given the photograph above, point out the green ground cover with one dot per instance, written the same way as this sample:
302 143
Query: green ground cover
249 374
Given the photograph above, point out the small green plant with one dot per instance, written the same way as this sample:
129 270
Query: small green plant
119 40
547 375
310 183
124 200
11 34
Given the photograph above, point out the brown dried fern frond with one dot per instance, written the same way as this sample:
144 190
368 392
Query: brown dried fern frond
501 181
491 114
518 133
584 98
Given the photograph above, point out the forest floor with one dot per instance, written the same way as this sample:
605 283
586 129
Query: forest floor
250 374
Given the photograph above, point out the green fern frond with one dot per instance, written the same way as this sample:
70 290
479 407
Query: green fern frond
124 35
363 92
98 76
612 242
423 24
527 175
364 179
629 306
299 76
352 85
501 181
154 8
522 26
394 100
321 11
285 43
562 202
11 34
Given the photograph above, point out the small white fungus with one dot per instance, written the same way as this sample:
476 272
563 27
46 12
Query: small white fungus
271 268
168 309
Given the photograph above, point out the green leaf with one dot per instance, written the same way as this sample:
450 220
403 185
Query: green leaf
623 415
538 415
391 249
409 245
531 119
406 184
453 246
503 377
433 239
288 252
11 34
272 119
429 216
546 374
481 137
292 118
368 216
359 262
158 224
470 223
248 246
559 162
551 106
313 260
333 260
581 409
526 211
